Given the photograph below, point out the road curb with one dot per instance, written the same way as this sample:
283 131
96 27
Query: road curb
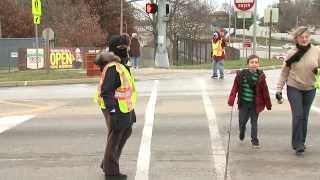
48 82
138 76
262 68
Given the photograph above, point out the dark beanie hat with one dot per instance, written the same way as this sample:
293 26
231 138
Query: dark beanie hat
117 40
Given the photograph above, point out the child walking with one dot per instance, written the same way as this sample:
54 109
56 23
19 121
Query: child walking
253 96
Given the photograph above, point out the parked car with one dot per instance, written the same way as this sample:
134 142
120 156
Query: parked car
281 56
288 46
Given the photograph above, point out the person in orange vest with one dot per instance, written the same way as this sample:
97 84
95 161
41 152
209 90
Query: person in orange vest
116 96
218 55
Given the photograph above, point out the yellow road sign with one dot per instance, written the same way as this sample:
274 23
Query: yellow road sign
36 7
36 19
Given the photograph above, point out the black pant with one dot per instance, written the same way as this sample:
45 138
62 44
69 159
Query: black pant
115 143
247 111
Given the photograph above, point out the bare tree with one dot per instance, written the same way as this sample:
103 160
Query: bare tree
300 12
16 21
108 12
75 26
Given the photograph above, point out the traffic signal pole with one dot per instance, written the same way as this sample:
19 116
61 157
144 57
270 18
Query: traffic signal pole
162 59
255 27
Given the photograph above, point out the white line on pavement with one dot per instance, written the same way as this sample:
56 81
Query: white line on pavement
145 145
9 122
218 152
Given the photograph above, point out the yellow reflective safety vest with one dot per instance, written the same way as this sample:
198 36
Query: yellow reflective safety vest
317 83
217 49
126 94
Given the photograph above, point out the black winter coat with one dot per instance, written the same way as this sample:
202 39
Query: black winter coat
111 82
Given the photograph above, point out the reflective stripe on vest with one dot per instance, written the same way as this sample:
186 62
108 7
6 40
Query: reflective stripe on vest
217 48
126 94
317 83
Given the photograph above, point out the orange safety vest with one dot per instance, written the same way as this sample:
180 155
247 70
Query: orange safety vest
126 94
217 49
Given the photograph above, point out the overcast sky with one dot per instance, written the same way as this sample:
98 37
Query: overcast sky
262 4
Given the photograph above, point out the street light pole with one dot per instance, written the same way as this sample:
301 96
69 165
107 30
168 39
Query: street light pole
0 29
255 27
121 16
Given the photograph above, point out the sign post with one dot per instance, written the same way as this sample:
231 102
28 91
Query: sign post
271 15
36 12
244 8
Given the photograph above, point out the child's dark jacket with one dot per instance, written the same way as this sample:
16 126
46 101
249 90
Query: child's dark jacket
262 97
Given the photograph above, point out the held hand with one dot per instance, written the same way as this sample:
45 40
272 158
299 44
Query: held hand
279 97
230 102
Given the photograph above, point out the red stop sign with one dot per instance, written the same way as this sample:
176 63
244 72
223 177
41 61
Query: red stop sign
244 5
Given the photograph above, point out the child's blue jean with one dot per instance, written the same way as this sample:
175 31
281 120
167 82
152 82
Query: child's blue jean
135 61
218 65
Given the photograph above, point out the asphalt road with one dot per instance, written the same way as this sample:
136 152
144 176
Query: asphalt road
58 133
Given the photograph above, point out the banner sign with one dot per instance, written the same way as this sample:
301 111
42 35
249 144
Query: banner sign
59 58
34 61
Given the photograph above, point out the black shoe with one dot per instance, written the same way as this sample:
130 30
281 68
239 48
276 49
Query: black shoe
214 77
304 147
299 152
255 144
241 135
116 177
221 77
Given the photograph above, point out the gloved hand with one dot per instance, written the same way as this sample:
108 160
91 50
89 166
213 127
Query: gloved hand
279 97
315 70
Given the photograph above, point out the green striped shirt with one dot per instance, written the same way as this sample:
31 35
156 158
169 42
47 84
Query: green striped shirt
248 93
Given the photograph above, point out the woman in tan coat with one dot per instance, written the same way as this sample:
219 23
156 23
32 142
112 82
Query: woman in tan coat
298 73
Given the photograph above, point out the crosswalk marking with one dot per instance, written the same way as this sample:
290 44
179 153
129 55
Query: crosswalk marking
218 152
9 122
143 162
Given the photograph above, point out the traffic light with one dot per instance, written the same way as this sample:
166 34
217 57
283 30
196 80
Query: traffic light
151 8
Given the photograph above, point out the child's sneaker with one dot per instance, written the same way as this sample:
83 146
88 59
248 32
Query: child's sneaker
299 152
241 135
255 144
214 77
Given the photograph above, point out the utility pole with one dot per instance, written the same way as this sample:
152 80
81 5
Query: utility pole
270 29
229 23
121 17
0 29
255 27
162 59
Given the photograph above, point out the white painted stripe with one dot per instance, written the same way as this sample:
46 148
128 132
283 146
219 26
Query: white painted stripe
218 152
143 163
9 122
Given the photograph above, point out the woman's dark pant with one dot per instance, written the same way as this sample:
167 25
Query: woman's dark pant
300 103
115 143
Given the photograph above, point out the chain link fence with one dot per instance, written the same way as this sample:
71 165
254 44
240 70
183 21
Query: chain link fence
190 51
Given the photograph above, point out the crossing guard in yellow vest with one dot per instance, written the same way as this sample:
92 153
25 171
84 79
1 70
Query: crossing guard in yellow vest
218 55
116 96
